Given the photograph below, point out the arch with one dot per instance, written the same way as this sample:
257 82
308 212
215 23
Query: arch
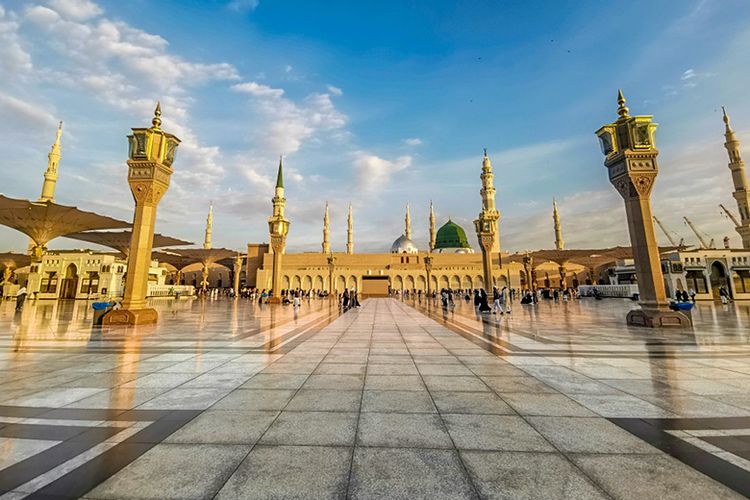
467 283
502 281
307 282
409 283
319 283
340 284
444 282
353 282
478 282
285 283
296 282
421 283
398 282
719 279
434 285
455 282
70 282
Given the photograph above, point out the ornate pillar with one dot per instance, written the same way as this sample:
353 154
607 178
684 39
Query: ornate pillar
278 227
149 169
331 266
630 157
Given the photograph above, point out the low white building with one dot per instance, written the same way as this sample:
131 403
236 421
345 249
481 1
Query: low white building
85 274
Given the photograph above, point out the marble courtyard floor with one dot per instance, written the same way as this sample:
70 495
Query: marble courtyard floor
228 399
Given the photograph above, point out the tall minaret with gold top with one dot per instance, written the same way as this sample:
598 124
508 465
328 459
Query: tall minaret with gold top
209 226
407 222
486 224
739 178
350 232
50 176
559 242
278 228
433 234
326 232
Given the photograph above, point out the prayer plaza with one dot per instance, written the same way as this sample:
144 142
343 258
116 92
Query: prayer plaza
138 365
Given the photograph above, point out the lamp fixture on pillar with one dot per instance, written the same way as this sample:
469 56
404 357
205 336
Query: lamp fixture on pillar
629 149
150 159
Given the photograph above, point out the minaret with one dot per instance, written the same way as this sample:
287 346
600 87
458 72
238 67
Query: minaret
50 176
407 221
486 224
432 228
741 190
278 228
488 197
559 242
326 232
209 226
350 232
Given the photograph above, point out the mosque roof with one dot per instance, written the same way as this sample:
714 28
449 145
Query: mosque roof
451 235
120 240
45 220
403 245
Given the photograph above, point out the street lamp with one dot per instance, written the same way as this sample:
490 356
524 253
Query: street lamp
528 263
428 269
331 265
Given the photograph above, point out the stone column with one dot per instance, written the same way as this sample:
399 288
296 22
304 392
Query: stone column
237 270
630 157
149 170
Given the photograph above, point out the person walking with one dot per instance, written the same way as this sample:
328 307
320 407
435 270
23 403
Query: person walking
496 301
20 298
724 295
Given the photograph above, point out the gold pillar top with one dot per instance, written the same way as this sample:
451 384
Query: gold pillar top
622 110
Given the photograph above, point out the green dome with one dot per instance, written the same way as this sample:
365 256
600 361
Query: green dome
451 235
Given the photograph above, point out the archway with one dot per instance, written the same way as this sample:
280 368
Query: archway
455 283
479 282
434 284
353 282
467 284
306 283
296 283
421 283
398 283
319 284
444 282
409 283
719 279
70 283
285 283
340 284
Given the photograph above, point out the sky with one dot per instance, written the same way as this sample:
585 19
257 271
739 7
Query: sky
378 104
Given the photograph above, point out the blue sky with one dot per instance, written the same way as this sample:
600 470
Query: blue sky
380 105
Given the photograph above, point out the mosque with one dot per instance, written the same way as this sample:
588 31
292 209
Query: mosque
449 261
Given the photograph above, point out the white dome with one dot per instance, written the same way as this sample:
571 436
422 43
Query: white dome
403 245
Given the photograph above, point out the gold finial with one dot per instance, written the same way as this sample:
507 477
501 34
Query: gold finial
726 119
156 122
622 110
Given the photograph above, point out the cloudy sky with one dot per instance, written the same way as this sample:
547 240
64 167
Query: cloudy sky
379 105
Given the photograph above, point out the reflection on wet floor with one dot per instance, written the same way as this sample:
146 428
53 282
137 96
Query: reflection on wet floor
221 398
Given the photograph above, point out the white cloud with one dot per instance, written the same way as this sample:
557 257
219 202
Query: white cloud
335 90
26 114
689 74
414 141
373 172
243 5
257 89
77 10
288 68
13 57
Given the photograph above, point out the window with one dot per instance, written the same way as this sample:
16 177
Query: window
90 283
742 281
696 280
49 283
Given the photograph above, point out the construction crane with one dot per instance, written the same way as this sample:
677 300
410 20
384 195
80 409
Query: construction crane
698 235
669 237
729 214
